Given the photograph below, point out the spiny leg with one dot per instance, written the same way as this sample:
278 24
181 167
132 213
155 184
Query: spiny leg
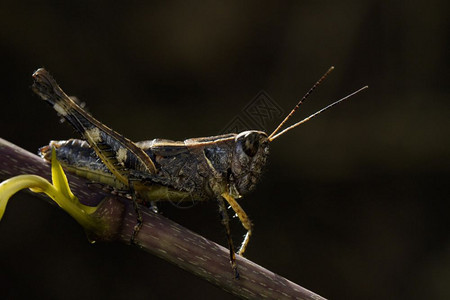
119 154
226 223
245 221
154 207
139 219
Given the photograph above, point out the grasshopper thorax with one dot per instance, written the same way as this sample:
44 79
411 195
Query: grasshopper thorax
251 151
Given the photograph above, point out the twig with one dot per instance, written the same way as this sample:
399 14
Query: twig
161 236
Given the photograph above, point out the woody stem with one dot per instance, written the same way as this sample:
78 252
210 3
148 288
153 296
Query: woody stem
161 236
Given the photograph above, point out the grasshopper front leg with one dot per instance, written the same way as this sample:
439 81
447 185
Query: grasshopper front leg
226 223
245 221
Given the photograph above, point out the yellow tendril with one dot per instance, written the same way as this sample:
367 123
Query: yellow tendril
60 193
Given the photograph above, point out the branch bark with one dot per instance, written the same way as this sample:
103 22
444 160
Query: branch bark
161 236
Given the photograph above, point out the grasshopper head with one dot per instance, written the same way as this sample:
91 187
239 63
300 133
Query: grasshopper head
251 151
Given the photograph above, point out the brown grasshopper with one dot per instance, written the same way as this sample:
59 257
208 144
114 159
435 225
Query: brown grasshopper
223 167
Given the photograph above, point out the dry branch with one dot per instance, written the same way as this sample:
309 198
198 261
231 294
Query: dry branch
161 236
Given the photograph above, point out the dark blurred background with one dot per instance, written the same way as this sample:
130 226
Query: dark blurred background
352 205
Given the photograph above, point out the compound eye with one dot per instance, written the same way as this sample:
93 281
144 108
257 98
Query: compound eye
251 144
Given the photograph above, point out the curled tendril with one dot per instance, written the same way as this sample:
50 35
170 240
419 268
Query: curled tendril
59 192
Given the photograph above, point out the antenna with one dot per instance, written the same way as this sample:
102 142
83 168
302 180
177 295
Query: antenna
272 136
301 101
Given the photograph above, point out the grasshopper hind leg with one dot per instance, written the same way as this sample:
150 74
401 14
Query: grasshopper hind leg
137 210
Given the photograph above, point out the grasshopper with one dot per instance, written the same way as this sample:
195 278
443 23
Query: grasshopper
221 168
